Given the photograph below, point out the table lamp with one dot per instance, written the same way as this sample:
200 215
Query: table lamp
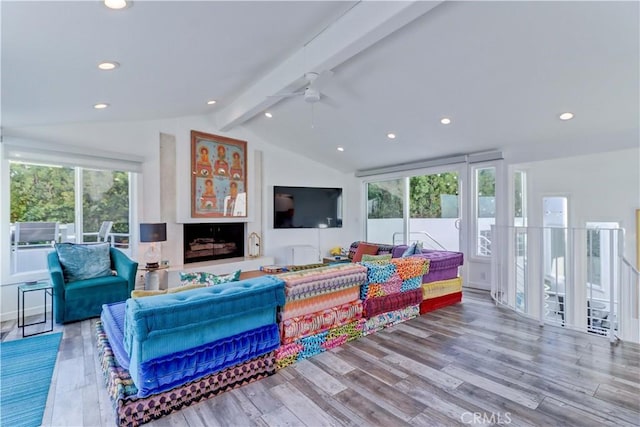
152 233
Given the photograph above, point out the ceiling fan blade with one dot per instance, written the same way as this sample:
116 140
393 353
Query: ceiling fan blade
322 79
329 101
285 95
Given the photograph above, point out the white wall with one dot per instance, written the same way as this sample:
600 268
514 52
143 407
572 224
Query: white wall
142 138
278 165
602 187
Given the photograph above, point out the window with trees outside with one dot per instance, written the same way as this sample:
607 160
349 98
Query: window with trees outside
432 210
77 200
385 210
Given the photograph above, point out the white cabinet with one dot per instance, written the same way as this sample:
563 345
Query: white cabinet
302 254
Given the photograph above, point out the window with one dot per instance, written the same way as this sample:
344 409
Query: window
77 200
520 237
105 197
385 210
519 199
602 275
485 208
431 202
434 210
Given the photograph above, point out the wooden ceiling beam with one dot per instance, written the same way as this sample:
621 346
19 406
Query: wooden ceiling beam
358 29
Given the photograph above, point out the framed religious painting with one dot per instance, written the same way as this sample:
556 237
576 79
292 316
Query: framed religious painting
218 176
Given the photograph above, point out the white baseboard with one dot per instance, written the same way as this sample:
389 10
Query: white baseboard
31 311
477 285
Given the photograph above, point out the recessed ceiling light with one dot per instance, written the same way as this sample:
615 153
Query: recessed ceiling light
445 120
115 4
566 116
391 135
211 102
108 65
100 106
340 148
269 115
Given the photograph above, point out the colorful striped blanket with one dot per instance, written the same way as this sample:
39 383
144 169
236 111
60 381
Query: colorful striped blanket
318 281
309 324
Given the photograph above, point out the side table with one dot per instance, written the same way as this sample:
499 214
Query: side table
47 289
152 277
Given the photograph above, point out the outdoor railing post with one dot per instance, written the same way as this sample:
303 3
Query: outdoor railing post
614 313
541 267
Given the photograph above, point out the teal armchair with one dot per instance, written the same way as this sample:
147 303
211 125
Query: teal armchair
83 299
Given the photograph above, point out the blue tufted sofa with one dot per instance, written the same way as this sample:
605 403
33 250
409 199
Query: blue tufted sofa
169 340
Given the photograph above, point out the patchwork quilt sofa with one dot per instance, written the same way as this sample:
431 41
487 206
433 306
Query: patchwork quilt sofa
161 353
322 310
441 283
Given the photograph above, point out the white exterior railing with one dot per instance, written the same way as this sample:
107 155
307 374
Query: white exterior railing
576 278
444 231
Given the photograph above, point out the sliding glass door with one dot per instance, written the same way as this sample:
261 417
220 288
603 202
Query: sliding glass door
385 210
416 208
434 210
54 203
41 206
105 198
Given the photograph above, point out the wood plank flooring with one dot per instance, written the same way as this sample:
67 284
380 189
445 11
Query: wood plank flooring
472 363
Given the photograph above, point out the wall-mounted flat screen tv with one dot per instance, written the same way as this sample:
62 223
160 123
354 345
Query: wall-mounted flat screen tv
307 207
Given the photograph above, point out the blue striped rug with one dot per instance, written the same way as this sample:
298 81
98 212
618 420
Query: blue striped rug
26 366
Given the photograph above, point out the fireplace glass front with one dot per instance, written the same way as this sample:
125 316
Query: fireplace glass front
206 242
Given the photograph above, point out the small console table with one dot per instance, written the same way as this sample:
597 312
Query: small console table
47 289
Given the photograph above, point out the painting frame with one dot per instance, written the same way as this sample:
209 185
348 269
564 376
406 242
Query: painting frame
219 187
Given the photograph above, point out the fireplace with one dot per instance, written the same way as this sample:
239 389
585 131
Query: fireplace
206 242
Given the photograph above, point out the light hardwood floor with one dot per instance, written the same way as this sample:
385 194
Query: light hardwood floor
472 363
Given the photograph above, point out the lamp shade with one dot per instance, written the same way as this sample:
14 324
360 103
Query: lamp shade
153 232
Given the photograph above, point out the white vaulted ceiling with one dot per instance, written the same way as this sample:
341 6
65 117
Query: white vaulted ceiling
503 72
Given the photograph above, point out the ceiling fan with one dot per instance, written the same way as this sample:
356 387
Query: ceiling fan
312 90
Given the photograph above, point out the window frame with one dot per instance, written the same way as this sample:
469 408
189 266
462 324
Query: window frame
501 206
405 175
475 207
31 153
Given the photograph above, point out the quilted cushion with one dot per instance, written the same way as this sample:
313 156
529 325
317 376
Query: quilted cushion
377 259
383 248
84 261
305 266
364 248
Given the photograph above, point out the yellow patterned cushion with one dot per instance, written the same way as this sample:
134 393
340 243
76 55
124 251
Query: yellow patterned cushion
139 293
441 288
143 293
185 288
377 259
